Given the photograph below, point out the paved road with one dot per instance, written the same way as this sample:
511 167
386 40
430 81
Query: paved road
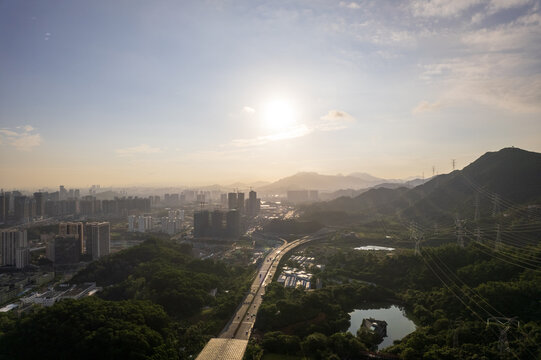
243 321
241 324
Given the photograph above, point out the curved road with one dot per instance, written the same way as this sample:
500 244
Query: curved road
234 337
243 321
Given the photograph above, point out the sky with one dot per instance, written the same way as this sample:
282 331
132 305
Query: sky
123 93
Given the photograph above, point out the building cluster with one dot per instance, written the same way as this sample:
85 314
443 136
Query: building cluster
249 207
298 273
305 262
218 224
293 277
75 239
184 197
170 224
13 284
226 224
60 292
16 208
14 248
302 196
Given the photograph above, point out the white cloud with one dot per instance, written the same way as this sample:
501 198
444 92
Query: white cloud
291 133
350 5
335 120
497 5
248 110
498 67
425 106
141 149
442 8
519 35
23 140
26 142
7 132
488 80
26 128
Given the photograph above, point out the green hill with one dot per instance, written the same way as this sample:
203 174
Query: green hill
511 173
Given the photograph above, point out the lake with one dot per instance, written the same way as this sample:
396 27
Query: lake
398 325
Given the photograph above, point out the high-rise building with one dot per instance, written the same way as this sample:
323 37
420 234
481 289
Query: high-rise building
171 225
232 202
40 203
189 195
97 239
201 223
15 250
223 200
233 223
253 204
217 223
3 208
65 249
62 193
73 228
21 207
240 202
131 223
201 198
144 223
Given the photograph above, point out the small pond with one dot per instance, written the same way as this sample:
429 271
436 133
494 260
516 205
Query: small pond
398 325
374 248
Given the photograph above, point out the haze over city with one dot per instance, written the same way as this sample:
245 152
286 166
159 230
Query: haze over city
270 179
202 92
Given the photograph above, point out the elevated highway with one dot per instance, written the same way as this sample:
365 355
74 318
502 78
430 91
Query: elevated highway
241 324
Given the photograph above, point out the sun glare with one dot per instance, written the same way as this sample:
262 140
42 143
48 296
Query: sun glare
279 115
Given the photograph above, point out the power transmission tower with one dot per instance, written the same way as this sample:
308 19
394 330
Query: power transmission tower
498 243
476 205
460 231
458 324
418 240
478 235
505 324
414 236
495 205
433 170
454 164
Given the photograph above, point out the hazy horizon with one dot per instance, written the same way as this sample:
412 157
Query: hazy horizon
459 165
197 93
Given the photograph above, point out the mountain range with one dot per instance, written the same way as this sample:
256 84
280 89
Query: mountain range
324 183
496 181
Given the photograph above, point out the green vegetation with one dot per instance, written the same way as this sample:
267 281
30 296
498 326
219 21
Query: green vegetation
313 323
91 329
156 295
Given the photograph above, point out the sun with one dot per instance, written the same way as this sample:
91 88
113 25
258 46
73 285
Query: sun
279 114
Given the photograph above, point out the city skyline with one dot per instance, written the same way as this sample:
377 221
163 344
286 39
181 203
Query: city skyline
203 92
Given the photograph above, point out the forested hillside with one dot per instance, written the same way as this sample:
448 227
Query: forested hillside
150 307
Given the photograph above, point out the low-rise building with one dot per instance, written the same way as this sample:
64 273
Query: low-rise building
63 291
